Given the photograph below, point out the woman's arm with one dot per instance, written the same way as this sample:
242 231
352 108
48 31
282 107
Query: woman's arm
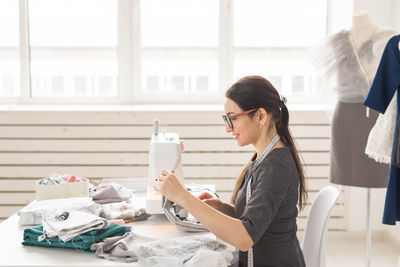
227 228
223 226
226 208
217 204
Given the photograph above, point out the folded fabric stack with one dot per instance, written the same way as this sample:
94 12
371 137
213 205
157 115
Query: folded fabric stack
82 241
73 224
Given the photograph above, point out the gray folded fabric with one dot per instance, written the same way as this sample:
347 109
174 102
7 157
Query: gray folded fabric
107 195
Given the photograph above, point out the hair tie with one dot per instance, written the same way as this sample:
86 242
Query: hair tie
283 99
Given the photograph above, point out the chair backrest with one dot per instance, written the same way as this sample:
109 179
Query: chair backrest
316 226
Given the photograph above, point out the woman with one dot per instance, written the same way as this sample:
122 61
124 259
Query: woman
263 225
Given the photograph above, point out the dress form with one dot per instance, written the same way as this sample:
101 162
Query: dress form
360 32
362 27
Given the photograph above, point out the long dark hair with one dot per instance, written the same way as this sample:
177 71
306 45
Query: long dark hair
257 92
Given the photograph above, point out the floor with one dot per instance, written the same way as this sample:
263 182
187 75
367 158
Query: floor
348 249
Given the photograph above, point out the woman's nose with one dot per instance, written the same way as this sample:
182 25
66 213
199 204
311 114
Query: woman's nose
227 128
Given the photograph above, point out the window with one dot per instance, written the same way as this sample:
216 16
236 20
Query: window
9 49
159 51
68 48
179 41
273 40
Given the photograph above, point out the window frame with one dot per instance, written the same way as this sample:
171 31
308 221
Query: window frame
129 62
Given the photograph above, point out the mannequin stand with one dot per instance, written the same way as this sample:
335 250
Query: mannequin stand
368 228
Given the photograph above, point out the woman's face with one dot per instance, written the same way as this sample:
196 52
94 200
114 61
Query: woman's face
245 129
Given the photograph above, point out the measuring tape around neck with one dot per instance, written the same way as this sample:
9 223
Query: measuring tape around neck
266 151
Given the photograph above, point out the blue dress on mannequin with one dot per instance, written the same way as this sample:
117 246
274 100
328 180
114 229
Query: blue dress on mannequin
385 84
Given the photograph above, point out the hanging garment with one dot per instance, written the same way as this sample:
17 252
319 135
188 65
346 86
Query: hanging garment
73 224
169 252
380 139
270 214
349 165
83 241
384 86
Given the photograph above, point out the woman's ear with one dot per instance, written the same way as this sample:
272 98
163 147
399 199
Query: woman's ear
263 116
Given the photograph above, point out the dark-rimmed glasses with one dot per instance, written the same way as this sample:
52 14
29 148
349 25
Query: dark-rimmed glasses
228 119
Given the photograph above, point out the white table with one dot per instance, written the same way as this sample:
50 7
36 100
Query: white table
13 253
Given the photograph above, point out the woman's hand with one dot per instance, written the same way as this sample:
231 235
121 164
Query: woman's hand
170 187
210 200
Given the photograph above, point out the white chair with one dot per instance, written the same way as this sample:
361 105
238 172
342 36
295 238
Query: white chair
316 226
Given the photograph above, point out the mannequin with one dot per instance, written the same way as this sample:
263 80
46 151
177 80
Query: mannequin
353 57
361 30
362 27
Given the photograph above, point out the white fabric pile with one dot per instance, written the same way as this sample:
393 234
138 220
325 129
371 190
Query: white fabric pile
32 213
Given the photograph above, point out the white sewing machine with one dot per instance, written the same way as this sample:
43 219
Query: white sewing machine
164 154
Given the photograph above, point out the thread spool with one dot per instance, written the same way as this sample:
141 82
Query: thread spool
63 216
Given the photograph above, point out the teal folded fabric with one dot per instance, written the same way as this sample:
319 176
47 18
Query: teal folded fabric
82 242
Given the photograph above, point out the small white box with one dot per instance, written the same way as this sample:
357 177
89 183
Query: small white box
64 190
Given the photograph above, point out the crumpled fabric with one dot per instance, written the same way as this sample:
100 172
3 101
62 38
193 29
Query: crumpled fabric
32 214
107 195
119 210
109 192
178 216
202 258
182 251
74 225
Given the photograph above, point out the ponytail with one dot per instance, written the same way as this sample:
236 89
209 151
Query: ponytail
282 127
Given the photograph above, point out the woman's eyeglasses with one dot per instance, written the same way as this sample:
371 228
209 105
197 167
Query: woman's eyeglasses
228 119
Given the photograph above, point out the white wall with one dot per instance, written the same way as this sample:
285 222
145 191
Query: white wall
383 12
